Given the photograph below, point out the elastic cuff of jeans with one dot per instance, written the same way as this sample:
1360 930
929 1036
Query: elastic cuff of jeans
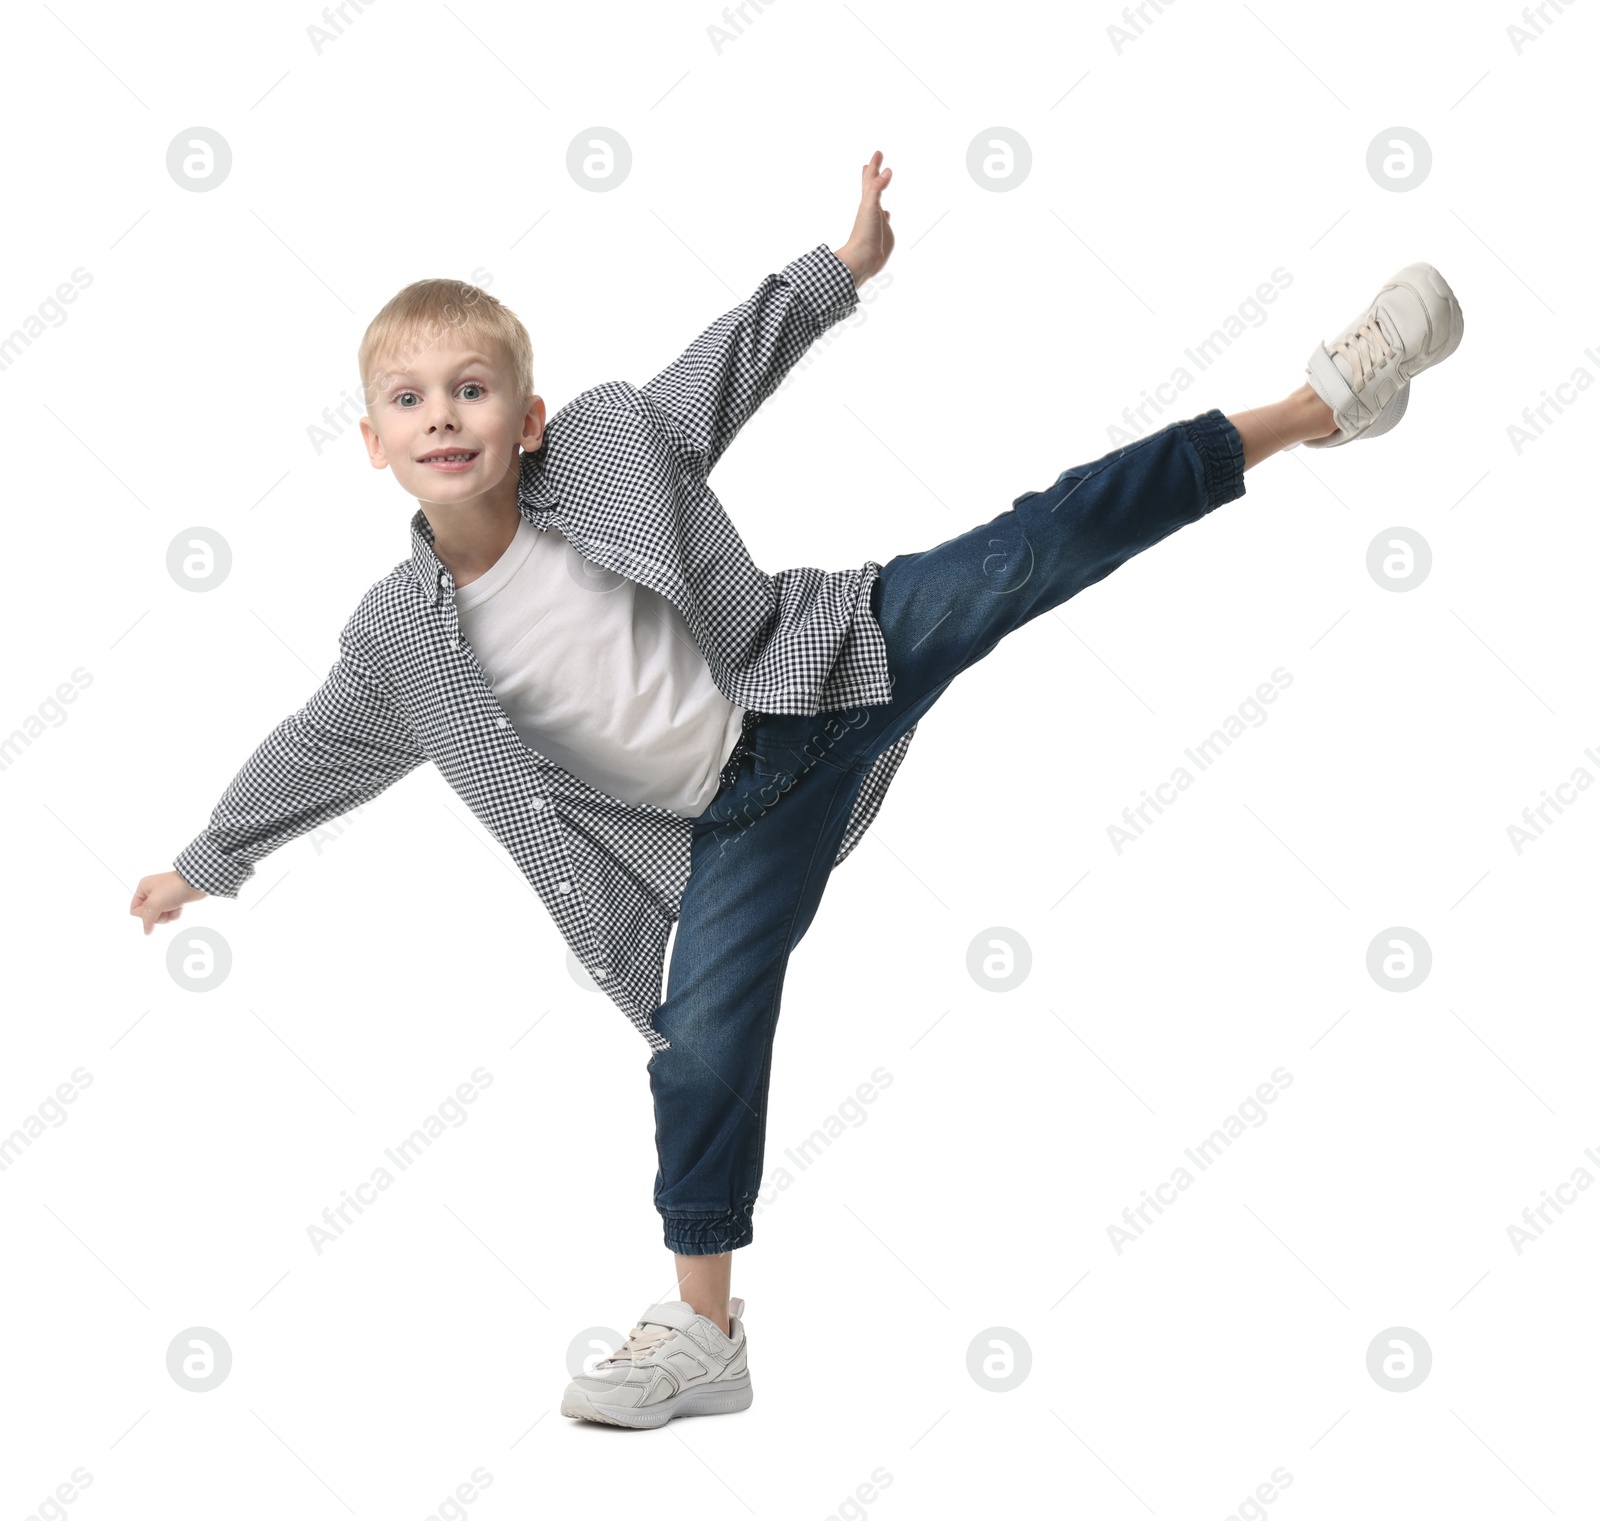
707 1235
1221 453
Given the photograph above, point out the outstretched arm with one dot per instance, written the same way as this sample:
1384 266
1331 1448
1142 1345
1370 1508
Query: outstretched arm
341 749
714 387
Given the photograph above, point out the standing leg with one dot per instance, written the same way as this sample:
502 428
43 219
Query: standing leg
703 1284
760 857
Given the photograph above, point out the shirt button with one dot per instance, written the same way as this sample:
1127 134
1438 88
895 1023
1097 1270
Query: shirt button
600 976
536 803
504 724
563 887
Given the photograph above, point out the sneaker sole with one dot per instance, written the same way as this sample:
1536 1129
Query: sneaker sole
710 1399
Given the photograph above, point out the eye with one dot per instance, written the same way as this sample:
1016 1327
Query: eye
472 385
400 397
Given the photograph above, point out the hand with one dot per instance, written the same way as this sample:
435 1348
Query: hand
871 240
160 899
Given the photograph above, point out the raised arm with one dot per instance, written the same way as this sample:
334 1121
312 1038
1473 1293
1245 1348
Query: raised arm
714 387
341 749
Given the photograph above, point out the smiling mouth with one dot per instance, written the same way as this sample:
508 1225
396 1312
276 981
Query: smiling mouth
457 461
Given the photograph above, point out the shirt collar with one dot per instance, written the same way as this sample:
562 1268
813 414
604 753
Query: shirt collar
534 495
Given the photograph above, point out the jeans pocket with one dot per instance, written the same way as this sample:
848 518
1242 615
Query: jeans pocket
789 747
776 761
769 781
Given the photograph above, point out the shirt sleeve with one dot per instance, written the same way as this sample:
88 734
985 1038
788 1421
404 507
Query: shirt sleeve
341 749
714 387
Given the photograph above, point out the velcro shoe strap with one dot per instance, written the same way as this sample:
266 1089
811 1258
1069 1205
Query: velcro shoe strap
674 1313
1330 382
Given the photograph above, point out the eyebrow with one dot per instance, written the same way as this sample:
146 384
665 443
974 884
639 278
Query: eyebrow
394 377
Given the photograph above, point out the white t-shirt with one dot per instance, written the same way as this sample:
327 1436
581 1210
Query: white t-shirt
599 674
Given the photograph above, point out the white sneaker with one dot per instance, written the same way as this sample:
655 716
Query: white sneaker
673 1363
1365 376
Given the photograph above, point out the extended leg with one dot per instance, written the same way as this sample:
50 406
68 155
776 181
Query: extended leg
1265 430
943 609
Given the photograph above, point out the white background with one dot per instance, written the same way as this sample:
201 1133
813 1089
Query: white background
376 967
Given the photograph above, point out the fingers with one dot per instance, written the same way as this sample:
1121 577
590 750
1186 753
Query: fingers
874 183
149 915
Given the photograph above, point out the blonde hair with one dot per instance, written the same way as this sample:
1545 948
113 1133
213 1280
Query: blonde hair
427 311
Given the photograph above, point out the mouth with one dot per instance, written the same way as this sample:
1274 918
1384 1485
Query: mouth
451 461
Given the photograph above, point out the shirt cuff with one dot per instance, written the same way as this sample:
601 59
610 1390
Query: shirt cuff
202 865
823 281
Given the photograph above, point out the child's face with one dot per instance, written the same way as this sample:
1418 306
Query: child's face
456 399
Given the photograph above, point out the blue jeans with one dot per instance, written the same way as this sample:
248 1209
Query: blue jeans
763 850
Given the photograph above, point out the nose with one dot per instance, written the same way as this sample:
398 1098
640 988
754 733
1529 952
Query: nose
442 414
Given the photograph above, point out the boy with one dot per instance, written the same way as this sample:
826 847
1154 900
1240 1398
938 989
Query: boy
659 732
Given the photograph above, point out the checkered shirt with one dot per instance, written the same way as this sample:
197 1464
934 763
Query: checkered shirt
622 474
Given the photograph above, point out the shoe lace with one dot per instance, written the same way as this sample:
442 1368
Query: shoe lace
641 1340
1365 348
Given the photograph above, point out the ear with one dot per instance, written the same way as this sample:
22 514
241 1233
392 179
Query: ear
375 453
533 425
